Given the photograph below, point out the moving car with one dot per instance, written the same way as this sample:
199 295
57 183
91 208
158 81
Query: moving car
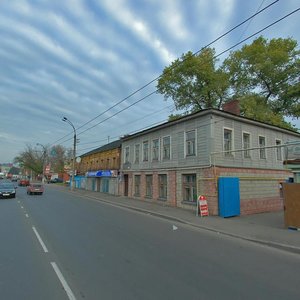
35 188
7 190
23 182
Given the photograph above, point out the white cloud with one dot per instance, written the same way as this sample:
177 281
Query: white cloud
137 26
78 58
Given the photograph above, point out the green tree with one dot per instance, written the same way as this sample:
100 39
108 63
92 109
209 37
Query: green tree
30 159
253 107
194 82
270 70
34 159
264 75
59 156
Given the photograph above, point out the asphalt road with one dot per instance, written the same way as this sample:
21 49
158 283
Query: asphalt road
63 246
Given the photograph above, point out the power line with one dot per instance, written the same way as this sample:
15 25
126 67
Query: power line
142 118
150 82
132 132
228 49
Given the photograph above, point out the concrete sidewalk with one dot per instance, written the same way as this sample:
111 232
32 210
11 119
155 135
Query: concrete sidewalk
264 228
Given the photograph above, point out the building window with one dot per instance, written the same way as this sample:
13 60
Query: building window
145 151
262 145
228 141
190 143
149 187
137 185
278 150
137 153
163 186
155 149
246 144
166 147
127 154
189 188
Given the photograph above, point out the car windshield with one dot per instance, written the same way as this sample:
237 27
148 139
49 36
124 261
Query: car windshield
36 185
6 186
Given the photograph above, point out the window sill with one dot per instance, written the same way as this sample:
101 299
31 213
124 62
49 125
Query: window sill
162 199
189 203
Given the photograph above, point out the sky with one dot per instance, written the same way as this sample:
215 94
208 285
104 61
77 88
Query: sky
95 62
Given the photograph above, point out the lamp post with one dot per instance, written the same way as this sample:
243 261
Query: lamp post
64 119
44 160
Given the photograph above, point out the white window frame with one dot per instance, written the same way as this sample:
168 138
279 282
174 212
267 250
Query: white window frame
163 147
230 153
262 148
278 150
186 146
127 154
245 149
144 143
158 150
137 158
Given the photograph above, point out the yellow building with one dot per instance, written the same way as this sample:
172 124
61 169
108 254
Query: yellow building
100 168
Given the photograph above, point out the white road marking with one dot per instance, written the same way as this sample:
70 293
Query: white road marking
26 215
22 207
40 240
63 281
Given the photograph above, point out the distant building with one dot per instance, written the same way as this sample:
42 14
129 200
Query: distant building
99 168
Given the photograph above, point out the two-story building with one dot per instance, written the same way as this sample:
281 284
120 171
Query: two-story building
100 168
178 160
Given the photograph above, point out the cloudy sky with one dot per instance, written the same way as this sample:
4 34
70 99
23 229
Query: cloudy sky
83 59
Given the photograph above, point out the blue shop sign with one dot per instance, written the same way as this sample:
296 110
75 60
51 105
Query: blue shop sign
103 173
91 174
100 173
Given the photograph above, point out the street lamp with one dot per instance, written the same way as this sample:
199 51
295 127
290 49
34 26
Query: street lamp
64 119
44 160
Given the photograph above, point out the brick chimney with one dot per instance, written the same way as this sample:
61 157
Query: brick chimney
233 107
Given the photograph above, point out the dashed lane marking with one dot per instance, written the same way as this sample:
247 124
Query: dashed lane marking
63 281
40 240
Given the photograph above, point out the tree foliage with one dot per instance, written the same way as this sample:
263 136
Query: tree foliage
34 159
30 159
194 82
58 157
270 70
254 107
264 75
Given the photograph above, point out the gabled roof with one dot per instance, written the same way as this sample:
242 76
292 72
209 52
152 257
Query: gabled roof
213 112
110 146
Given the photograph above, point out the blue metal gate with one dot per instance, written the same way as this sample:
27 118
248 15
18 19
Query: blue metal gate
229 196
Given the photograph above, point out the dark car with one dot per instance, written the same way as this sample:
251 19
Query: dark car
35 188
56 180
7 190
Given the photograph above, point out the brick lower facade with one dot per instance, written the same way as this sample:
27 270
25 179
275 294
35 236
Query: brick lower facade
259 188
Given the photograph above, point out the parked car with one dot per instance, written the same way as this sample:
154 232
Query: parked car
56 180
7 190
35 188
23 182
